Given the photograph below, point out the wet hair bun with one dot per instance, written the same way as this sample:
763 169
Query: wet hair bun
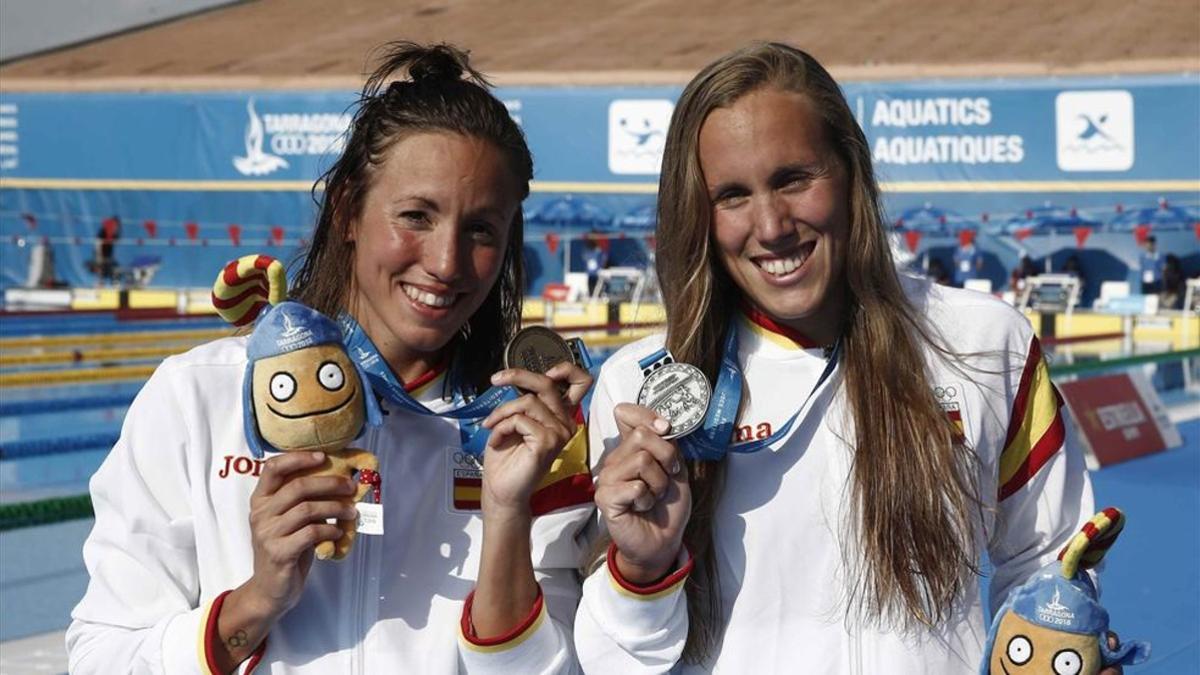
417 64
437 63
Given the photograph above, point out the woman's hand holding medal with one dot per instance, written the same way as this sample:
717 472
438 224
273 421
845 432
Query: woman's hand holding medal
528 433
643 494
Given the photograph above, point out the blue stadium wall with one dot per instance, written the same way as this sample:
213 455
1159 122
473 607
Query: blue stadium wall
982 151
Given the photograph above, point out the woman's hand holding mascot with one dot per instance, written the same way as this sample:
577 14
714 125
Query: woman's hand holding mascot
302 392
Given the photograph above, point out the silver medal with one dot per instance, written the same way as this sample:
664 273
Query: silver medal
679 393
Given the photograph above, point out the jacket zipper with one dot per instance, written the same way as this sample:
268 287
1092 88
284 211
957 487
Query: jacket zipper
362 546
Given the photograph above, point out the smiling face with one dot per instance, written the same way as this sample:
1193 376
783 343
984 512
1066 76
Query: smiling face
1025 648
309 399
430 241
779 208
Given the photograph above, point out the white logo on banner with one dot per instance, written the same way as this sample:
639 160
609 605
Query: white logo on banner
1094 130
637 134
256 162
9 157
273 136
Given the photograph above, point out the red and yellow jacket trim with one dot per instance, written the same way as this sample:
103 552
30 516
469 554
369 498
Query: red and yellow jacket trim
421 383
1036 430
520 633
662 588
785 336
209 639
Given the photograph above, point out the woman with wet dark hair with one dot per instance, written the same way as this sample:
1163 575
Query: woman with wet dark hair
201 559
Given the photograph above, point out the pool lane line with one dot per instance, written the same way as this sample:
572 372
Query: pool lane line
79 355
114 338
49 378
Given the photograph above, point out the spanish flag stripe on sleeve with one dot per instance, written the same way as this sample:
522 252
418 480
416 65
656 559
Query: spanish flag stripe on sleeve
1036 429
569 491
1022 400
1035 459
569 481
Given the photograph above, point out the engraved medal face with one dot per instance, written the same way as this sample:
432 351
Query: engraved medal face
537 349
679 393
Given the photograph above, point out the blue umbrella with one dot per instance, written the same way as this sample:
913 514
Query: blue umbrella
933 221
644 217
1048 219
570 212
1161 218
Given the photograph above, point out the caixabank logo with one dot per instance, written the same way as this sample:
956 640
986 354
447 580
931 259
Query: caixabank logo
637 134
271 138
1094 130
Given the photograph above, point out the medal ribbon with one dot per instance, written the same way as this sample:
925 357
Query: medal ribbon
385 383
714 438
469 414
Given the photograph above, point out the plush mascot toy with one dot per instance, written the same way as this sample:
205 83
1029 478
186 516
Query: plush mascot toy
301 390
1053 624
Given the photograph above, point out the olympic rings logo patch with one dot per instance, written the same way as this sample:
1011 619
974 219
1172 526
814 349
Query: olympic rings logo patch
948 393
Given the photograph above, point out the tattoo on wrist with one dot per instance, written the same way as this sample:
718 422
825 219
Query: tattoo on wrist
238 639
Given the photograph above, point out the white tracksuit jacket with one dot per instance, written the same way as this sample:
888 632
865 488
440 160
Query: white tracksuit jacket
781 524
172 533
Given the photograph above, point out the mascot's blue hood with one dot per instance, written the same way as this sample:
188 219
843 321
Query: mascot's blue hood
1072 605
285 328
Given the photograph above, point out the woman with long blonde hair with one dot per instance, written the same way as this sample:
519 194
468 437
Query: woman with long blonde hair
870 436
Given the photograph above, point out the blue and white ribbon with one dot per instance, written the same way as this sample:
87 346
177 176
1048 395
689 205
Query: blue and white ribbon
469 411
714 438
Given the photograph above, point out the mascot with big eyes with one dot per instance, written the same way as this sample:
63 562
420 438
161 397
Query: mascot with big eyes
1053 624
302 392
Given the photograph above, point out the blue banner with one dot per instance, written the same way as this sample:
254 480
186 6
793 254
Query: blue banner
980 149
1079 129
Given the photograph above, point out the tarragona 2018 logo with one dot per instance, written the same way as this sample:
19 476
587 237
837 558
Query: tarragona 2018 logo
271 138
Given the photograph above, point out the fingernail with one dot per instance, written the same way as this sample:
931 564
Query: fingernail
676 467
318 455
661 426
496 377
